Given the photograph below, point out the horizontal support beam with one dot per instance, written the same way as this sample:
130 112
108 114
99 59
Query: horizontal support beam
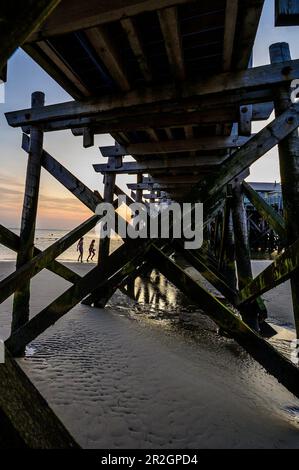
157 186
74 15
172 146
272 217
255 148
153 164
190 96
12 241
276 273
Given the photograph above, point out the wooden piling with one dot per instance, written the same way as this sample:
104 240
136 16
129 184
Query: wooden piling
22 295
289 167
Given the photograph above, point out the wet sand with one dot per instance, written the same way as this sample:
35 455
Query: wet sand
125 377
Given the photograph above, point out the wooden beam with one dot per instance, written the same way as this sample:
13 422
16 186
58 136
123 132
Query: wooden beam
156 186
286 12
26 420
272 217
103 46
74 15
12 241
29 212
255 148
173 146
257 80
154 164
129 26
18 21
252 10
66 178
231 14
276 273
245 120
170 27
274 362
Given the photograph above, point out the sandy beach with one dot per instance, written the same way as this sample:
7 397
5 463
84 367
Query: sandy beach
123 378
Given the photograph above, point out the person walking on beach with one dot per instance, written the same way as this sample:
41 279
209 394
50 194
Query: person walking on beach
92 251
80 249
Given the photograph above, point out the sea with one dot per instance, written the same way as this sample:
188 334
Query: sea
46 237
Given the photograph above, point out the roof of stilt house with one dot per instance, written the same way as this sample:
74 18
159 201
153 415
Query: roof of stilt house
120 47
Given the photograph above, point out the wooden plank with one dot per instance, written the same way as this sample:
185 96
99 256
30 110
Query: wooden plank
172 146
74 15
103 46
25 272
245 120
130 29
276 273
12 241
231 14
272 217
255 148
18 21
29 212
26 419
156 186
50 52
169 24
220 85
66 178
286 12
224 317
252 10
154 164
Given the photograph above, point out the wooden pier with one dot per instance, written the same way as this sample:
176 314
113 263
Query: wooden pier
172 82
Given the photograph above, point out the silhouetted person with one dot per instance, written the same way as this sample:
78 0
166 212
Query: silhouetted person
92 251
80 249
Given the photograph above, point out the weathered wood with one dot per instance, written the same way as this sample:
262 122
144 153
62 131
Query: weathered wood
130 29
289 170
223 86
169 24
66 178
12 241
270 215
260 350
74 15
245 120
33 266
151 164
103 46
26 420
139 190
171 146
231 15
109 183
279 271
22 294
255 148
18 21
286 12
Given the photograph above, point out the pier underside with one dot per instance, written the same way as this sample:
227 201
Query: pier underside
172 82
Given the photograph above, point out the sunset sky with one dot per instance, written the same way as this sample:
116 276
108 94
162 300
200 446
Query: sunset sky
57 207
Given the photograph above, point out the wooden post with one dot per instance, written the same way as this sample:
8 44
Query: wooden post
289 169
242 250
109 184
22 296
230 254
139 191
